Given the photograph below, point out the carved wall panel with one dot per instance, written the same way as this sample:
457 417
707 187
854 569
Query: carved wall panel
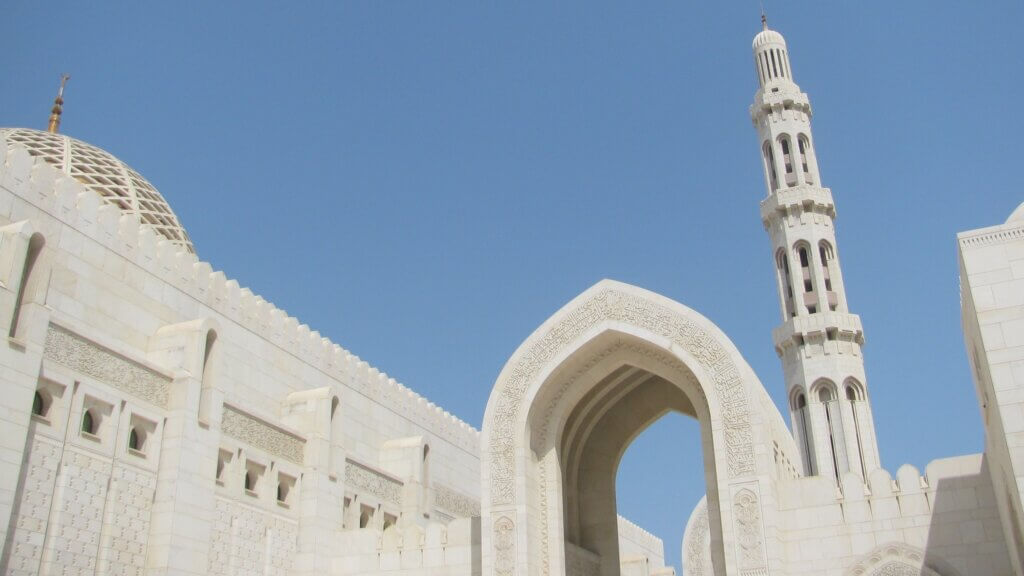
504 546
129 504
247 540
359 477
81 493
458 504
81 355
39 475
259 434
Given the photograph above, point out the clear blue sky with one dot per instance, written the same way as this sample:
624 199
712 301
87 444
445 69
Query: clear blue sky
426 182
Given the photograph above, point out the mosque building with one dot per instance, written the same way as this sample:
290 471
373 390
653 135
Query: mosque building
159 418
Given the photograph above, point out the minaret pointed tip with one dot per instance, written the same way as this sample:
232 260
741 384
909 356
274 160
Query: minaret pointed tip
58 106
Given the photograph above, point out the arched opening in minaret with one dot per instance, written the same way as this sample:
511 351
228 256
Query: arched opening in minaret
807 277
785 283
832 420
770 168
827 256
805 160
787 159
656 493
801 424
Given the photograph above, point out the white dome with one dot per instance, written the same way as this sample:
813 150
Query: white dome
766 37
104 174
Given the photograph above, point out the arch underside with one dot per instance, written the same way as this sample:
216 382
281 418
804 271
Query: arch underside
583 422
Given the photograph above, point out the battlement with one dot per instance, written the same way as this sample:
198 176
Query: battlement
62 197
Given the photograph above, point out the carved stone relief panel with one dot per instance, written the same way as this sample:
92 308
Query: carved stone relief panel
749 535
81 355
34 509
359 477
504 546
259 434
458 504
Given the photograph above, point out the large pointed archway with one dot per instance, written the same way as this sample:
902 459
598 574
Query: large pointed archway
572 398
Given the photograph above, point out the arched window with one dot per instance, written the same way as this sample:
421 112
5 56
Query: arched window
810 165
365 516
769 162
787 156
855 394
807 276
785 283
805 150
834 422
88 423
801 421
135 439
39 404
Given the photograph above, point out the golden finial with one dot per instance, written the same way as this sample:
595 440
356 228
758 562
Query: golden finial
58 106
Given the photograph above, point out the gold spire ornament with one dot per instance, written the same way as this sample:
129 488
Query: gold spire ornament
58 106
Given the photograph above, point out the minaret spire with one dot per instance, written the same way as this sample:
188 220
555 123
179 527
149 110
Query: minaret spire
819 341
58 106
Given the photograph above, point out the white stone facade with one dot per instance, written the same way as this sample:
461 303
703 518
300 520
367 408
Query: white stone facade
158 418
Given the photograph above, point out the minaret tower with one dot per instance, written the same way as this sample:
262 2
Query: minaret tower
819 341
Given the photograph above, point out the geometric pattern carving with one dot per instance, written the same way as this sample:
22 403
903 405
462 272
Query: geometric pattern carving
259 434
897 559
460 505
39 475
81 488
83 356
618 306
246 540
381 486
129 503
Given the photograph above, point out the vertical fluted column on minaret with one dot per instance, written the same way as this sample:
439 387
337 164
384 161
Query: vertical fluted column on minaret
819 341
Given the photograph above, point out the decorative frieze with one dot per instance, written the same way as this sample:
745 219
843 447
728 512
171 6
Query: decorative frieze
460 505
359 477
260 434
93 360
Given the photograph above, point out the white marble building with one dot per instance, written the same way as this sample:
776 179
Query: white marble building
158 418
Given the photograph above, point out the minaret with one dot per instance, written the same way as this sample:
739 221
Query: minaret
819 341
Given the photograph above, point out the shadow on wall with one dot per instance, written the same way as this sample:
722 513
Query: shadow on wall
965 535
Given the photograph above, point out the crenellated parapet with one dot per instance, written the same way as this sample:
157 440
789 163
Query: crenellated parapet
51 191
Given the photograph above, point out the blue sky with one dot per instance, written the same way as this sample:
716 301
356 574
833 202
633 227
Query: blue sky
425 183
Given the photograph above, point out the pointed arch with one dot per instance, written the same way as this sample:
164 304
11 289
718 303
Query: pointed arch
613 347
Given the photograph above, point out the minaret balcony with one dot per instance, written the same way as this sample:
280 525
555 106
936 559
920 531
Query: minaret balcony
824 325
796 199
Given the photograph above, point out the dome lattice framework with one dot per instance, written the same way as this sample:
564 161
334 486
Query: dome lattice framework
115 182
